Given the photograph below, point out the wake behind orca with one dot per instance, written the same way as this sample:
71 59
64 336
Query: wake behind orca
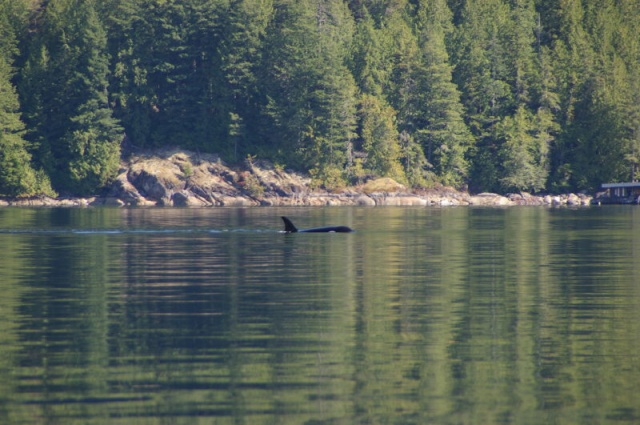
290 228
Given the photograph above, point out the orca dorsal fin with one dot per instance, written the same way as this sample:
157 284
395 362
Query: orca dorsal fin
288 226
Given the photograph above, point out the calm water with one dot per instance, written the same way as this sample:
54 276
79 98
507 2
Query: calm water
423 316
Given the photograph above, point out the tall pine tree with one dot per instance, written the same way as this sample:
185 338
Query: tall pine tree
18 176
479 52
434 112
380 141
401 89
311 92
245 28
524 136
523 153
65 89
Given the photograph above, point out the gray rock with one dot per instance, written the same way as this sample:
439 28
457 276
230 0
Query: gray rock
365 201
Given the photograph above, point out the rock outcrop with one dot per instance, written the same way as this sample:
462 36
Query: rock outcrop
187 179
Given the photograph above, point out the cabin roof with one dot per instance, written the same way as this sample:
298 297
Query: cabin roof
620 185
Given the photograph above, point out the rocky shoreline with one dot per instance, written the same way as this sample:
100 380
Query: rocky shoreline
186 179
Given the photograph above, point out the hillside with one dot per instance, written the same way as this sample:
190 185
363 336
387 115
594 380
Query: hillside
503 96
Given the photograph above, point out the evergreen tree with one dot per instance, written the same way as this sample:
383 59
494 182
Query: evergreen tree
629 53
169 82
496 93
524 136
167 65
482 71
521 51
413 160
371 60
632 127
545 100
599 128
573 58
206 97
65 86
17 175
594 74
523 152
244 30
371 64
312 94
380 139
480 47
401 92
434 112
130 42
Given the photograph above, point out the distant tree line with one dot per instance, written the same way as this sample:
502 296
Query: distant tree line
494 95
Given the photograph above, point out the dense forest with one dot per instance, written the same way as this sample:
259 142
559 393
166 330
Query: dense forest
493 95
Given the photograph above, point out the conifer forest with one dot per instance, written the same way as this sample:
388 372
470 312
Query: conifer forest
489 95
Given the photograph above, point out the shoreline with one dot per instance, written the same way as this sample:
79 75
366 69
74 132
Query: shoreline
320 199
179 178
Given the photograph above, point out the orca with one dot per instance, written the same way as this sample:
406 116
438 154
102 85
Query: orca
290 228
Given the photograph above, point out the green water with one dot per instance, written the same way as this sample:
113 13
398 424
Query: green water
422 316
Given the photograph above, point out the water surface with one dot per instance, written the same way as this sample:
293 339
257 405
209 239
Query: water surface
524 315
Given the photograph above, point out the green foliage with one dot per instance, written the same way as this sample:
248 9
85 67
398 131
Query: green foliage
372 59
414 162
241 51
17 174
252 185
380 139
523 153
435 113
64 86
168 79
496 95
311 93
329 177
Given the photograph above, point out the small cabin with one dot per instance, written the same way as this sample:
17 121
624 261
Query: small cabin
623 193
